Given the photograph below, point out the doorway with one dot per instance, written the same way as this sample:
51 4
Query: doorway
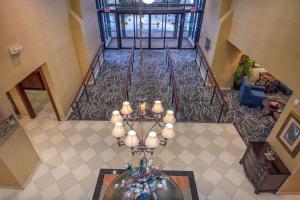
36 96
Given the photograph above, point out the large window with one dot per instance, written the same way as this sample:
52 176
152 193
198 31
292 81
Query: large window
159 30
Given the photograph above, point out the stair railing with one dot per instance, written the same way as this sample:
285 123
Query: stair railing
209 76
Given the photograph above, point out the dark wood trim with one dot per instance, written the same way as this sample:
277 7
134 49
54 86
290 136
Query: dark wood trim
44 81
26 101
13 103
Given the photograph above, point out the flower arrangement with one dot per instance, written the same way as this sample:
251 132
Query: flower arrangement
143 182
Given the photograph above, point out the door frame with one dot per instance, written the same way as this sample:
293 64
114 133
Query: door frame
27 103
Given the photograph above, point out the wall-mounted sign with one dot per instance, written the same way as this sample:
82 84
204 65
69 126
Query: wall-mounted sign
207 44
107 9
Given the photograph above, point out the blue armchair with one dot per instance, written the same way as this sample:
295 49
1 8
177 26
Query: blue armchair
251 96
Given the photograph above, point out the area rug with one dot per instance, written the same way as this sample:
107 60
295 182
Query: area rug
184 179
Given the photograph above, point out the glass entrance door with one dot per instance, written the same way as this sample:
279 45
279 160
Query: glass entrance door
127 30
172 27
157 31
145 31
109 30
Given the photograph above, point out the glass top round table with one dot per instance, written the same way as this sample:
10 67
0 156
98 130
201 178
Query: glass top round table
172 193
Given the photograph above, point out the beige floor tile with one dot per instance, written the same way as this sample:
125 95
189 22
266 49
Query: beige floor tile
28 192
241 194
81 172
212 176
51 192
44 181
60 171
88 154
66 182
107 154
220 166
227 186
218 194
186 156
183 140
207 157
167 156
74 193
227 158
68 154
93 139
202 141
235 176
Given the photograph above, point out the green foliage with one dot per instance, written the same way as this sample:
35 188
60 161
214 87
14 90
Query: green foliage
244 69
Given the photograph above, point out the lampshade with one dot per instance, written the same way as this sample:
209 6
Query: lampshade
157 107
152 140
148 1
116 117
126 108
131 140
118 131
168 131
169 117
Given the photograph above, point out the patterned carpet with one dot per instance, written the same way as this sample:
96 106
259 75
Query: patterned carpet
105 94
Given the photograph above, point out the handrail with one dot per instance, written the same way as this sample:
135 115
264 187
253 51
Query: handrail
86 80
172 80
210 75
124 93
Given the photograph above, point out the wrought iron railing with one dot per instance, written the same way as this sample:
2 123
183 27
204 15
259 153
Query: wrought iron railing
210 77
127 82
172 81
87 81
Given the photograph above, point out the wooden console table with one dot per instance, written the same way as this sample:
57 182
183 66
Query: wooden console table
266 175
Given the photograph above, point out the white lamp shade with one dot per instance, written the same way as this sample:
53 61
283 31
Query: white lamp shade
168 131
126 108
118 131
169 117
116 117
131 140
157 107
152 140
148 1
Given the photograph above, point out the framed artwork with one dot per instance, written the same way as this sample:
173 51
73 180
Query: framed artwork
289 134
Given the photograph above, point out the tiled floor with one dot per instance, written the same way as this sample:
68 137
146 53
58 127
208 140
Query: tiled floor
72 152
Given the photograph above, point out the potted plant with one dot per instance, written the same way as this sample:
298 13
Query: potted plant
244 69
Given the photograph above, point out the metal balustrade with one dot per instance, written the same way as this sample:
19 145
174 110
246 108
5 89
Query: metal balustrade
172 81
75 105
209 76
127 82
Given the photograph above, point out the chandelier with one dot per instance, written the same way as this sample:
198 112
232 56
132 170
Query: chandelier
143 142
148 1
